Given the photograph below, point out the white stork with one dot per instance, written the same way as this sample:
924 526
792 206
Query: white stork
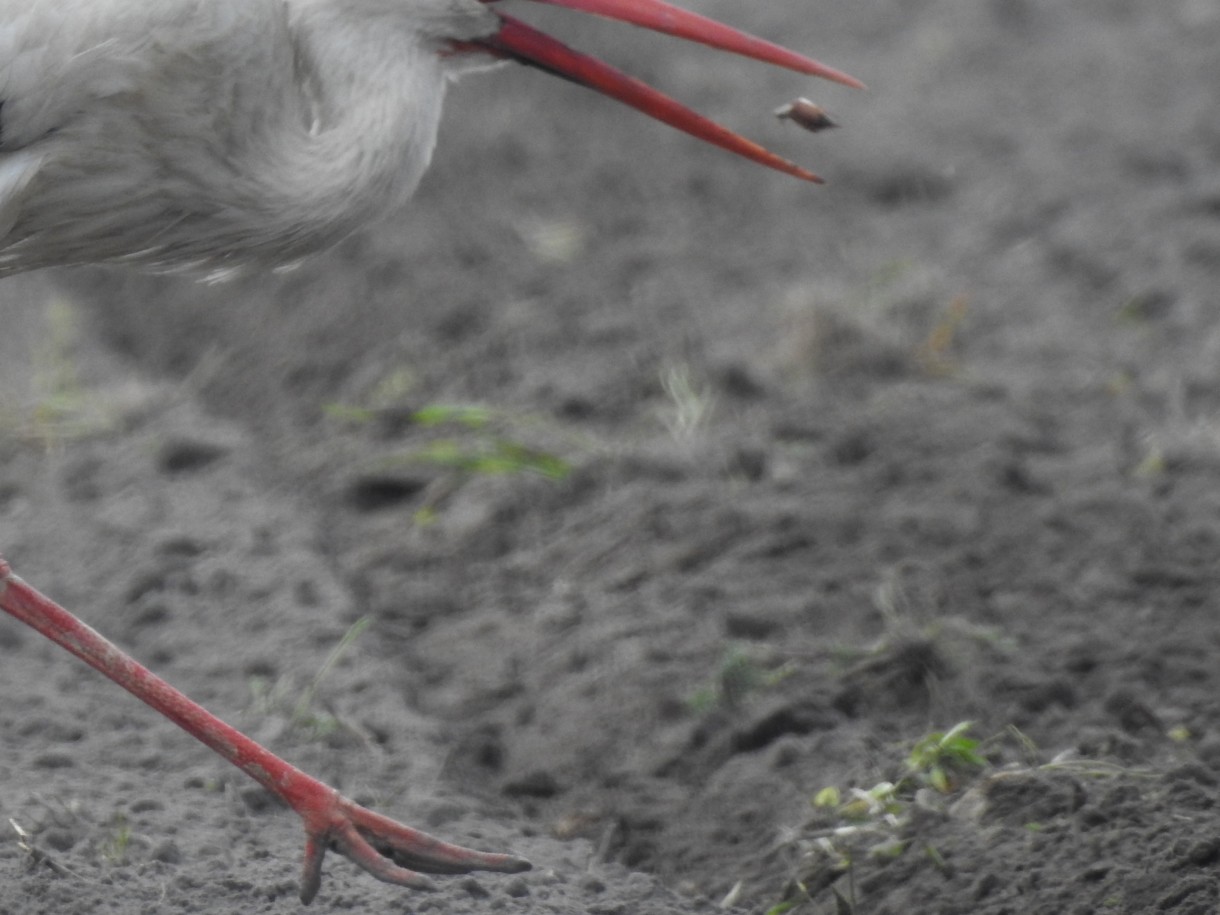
214 136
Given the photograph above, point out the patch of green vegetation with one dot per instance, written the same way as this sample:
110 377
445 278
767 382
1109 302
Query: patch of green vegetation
875 824
740 674
491 456
480 441
941 760
945 775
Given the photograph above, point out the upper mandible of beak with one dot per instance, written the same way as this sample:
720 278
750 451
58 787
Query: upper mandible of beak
518 41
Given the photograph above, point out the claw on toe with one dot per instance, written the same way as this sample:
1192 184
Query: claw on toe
385 848
390 851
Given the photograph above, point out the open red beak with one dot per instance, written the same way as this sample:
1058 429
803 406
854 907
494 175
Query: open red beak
517 41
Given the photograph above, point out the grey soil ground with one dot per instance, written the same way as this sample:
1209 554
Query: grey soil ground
938 442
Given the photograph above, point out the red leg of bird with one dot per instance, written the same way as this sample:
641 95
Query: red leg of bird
385 848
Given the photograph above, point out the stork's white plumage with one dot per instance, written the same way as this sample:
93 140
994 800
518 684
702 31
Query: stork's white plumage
205 135
217 135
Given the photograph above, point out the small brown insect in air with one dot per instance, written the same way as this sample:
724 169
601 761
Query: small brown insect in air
806 114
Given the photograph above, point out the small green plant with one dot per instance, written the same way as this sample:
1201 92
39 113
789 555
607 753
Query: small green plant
874 824
303 713
490 456
481 441
942 759
740 675
114 848
273 697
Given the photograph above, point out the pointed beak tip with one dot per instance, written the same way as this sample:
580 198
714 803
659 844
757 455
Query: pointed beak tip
518 41
797 171
838 76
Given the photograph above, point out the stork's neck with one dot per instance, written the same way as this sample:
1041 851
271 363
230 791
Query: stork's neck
359 127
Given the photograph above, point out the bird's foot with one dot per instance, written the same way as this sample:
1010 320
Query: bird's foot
387 849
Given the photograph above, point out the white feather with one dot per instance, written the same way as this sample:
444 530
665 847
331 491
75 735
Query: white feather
213 134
